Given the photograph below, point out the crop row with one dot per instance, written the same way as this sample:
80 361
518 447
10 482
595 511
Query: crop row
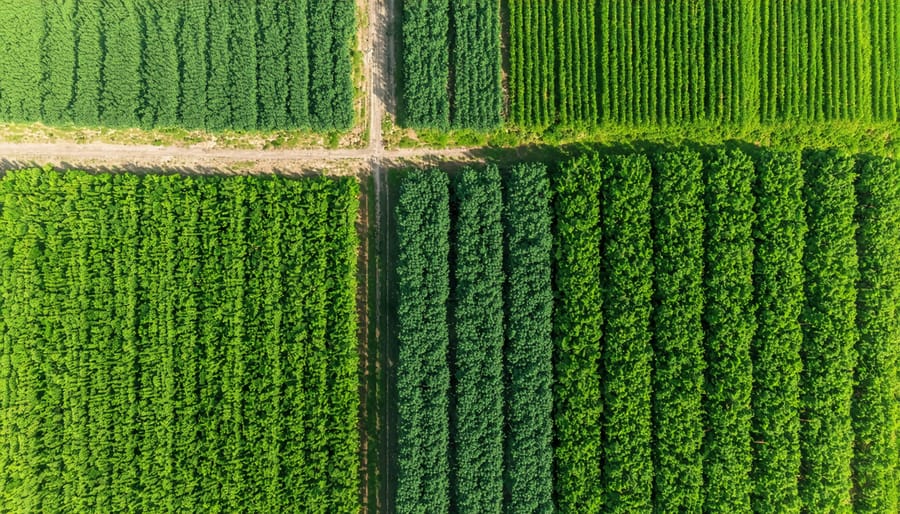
206 64
174 344
735 61
451 64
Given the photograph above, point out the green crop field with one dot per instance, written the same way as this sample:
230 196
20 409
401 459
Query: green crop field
198 64
724 335
583 64
451 47
174 344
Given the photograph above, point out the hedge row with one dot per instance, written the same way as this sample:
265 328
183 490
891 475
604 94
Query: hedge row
830 333
679 363
780 230
529 347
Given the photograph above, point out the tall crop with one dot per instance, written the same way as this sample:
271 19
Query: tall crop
477 355
242 92
20 60
829 333
730 326
58 60
577 332
423 377
425 63
627 272
88 61
192 52
198 63
124 67
159 64
678 362
875 407
272 63
529 347
174 376
779 231
477 94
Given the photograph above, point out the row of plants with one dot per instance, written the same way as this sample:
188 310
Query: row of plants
475 408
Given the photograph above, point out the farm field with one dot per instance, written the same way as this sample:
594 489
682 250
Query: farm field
706 308
590 68
176 344
199 64
450 64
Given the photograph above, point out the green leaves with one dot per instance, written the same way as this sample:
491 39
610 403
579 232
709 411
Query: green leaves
577 329
529 348
477 355
124 63
779 232
876 411
177 344
829 332
626 274
423 376
730 327
679 363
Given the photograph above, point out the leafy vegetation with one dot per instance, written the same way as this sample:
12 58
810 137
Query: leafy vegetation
529 347
439 36
423 376
679 363
577 332
707 311
198 64
477 354
730 327
830 333
178 344
876 411
779 232
627 273
733 62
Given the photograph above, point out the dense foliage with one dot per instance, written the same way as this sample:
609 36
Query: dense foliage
876 407
627 273
423 376
477 93
529 347
174 344
577 328
829 332
778 280
477 355
633 62
678 357
451 64
198 63
730 326
707 312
